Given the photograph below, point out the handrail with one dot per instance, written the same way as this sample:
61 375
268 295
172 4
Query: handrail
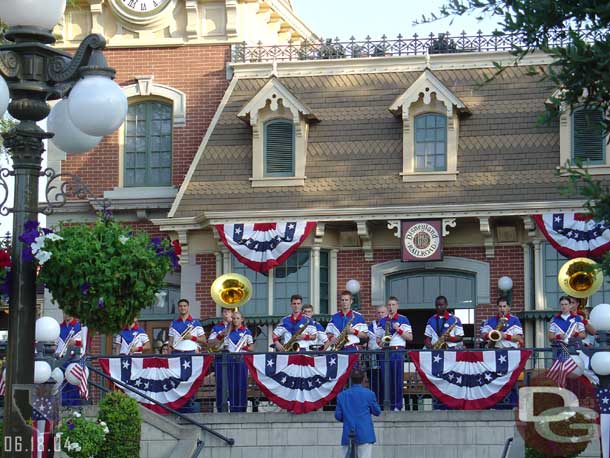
228 440
200 445
507 447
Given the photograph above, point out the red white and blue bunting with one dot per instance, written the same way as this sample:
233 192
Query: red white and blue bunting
470 380
300 383
575 235
263 246
170 381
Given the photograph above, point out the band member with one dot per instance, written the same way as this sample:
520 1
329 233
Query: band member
400 332
216 342
566 324
440 323
511 332
70 335
239 340
315 337
375 358
356 326
185 327
132 340
290 324
589 340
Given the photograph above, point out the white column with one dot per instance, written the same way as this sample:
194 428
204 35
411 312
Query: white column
527 277
314 287
219 262
270 291
190 274
538 275
332 281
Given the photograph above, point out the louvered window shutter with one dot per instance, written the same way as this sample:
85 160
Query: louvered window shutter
588 142
279 148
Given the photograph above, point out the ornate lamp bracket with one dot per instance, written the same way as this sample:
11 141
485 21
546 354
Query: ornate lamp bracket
88 59
4 191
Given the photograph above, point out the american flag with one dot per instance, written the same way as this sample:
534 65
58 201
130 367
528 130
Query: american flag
562 366
43 414
2 384
603 397
81 372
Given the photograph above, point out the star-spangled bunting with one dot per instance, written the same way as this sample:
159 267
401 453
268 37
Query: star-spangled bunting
170 381
263 246
45 411
300 383
603 398
575 235
469 380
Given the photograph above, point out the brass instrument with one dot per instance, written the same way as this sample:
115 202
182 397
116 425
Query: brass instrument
342 338
580 278
569 332
133 342
441 343
292 344
387 337
495 335
231 290
188 330
64 349
218 347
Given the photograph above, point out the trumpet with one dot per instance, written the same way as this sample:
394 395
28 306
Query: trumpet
495 335
133 346
216 348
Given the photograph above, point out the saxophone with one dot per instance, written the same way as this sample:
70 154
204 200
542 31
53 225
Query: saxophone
495 335
292 344
342 337
441 343
387 337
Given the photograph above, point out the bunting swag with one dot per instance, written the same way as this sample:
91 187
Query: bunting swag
300 383
575 235
471 380
263 246
170 381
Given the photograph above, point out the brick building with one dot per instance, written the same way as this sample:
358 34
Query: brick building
372 138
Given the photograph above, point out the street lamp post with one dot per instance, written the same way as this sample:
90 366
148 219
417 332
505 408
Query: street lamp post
34 73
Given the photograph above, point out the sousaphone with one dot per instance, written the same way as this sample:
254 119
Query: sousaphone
231 290
580 277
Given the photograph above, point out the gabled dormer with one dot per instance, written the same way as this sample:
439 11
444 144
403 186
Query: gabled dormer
280 126
430 115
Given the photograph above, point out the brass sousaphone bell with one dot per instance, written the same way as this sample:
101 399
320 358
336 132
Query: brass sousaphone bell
580 278
231 290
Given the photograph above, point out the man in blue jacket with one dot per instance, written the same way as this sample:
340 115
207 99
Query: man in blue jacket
354 408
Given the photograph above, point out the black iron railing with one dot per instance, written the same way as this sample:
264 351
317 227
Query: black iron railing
443 43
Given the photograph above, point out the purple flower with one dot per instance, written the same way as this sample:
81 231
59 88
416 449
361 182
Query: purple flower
26 254
100 303
71 425
31 225
84 288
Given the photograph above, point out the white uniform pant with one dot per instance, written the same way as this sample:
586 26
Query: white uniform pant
364 451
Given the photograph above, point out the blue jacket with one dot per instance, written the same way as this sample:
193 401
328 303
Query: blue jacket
354 408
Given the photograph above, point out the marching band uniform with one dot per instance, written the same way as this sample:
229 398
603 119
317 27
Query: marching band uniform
179 326
217 338
288 326
69 330
374 371
127 337
438 324
396 357
560 324
338 322
238 341
313 335
510 329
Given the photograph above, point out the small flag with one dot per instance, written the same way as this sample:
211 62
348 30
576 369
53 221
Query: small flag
603 397
80 372
562 366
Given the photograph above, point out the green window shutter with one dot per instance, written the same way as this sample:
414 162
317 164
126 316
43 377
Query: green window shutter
588 142
279 148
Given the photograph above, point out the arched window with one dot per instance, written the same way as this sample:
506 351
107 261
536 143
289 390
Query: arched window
148 144
588 143
430 143
279 149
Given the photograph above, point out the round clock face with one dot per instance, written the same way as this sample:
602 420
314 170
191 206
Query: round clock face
143 7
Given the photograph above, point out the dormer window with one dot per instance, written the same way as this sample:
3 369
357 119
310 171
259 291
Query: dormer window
431 143
280 126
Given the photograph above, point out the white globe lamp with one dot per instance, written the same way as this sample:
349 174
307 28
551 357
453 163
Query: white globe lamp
600 363
67 137
505 283
71 376
42 371
34 13
4 96
47 329
353 286
57 375
97 105
580 367
600 317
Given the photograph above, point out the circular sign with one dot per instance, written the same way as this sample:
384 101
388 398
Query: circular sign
421 240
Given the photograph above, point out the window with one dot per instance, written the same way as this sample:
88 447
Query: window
292 277
279 148
260 294
588 143
165 308
430 143
148 144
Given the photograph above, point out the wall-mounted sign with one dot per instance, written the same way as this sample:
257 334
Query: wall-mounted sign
421 240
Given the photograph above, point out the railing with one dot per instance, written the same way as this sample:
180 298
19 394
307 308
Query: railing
400 46
413 396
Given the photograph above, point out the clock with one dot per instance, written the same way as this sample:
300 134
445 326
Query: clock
143 7
142 13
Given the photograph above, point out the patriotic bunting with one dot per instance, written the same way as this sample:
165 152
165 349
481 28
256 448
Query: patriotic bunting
470 380
170 381
575 235
603 397
300 383
263 246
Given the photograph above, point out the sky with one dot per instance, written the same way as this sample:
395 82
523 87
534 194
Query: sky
344 18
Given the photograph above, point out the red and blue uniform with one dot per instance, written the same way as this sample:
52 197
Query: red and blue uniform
238 341
72 330
179 326
131 340
339 320
288 326
396 356
511 328
437 326
217 337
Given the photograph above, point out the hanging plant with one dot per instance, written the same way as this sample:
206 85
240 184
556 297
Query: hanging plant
104 274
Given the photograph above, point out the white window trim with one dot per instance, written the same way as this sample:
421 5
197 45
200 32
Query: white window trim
565 145
428 95
275 101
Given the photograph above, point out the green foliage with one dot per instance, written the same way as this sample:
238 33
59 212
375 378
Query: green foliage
104 274
80 437
122 414
532 453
